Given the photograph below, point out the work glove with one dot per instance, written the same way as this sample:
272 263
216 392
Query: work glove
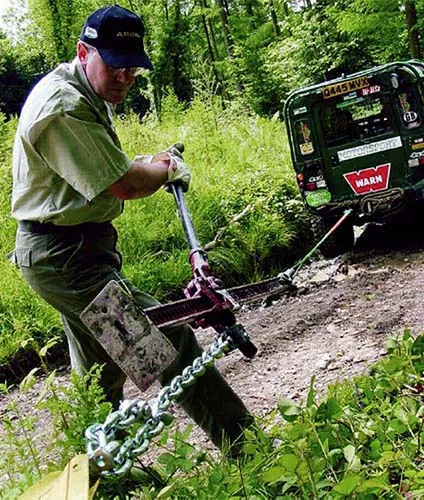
178 170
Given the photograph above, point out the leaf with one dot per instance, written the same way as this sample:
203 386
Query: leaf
418 346
29 381
166 491
311 394
347 485
349 453
391 345
288 409
273 474
393 365
372 484
50 378
290 462
325 483
418 354
328 410
50 343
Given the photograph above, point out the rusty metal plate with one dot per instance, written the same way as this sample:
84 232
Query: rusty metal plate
128 336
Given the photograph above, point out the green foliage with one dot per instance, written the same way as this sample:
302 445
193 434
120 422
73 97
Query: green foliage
69 409
25 319
257 51
243 200
377 25
20 459
56 25
73 409
363 440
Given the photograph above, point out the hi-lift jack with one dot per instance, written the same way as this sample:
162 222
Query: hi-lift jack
131 335
208 303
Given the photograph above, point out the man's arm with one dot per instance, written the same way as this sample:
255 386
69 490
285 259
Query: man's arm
146 176
142 179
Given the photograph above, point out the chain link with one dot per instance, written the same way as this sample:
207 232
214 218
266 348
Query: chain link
109 458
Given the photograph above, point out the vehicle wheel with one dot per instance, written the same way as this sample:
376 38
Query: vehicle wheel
339 242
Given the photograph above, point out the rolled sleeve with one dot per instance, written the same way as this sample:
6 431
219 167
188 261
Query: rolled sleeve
82 153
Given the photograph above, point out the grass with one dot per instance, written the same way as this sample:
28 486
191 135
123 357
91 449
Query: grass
363 440
243 199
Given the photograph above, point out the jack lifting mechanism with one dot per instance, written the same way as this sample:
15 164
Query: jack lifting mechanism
131 336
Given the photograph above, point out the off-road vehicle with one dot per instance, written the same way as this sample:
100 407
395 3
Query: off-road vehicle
357 142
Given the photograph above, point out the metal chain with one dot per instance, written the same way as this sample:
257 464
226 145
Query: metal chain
106 456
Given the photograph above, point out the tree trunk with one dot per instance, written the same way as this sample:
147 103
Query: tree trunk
274 19
61 14
224 26
212 49
210 32
411 24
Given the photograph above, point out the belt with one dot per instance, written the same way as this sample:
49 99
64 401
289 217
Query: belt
30 226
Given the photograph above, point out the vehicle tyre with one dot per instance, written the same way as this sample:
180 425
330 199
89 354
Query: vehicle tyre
338 242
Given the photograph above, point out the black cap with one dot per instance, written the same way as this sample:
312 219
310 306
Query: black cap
117 34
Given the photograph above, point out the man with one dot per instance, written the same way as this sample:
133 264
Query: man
70 177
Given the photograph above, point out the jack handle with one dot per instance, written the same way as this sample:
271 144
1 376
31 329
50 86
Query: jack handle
204 283
197 257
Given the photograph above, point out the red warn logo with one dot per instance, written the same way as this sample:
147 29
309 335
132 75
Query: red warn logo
369 180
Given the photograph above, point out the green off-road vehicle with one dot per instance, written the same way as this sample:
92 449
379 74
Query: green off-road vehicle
357 142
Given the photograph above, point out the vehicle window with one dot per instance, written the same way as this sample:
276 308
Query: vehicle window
408 104
359 118
304 137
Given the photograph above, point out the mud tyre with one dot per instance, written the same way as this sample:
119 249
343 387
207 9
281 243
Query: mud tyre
339 242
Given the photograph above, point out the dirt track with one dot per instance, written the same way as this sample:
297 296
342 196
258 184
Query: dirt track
334 327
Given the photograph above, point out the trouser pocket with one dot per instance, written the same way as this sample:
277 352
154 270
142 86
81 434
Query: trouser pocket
21 257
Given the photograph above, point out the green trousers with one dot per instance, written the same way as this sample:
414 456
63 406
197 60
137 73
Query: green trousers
68 270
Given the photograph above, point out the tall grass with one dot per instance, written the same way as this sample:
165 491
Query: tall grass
25 319
242 198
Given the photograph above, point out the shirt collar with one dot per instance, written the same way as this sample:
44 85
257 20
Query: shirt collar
78 71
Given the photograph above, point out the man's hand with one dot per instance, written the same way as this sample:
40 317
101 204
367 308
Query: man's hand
177 149
178 170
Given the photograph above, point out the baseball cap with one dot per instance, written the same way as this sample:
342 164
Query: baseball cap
117 34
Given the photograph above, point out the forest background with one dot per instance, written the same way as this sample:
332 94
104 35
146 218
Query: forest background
254 50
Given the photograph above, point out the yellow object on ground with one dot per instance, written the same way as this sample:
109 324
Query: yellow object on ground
70 484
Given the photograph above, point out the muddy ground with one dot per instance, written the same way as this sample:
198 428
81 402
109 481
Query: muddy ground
334 327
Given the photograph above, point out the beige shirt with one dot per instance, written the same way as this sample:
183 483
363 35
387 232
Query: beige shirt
66 153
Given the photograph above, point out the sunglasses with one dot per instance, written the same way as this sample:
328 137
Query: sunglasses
126 71
132 71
